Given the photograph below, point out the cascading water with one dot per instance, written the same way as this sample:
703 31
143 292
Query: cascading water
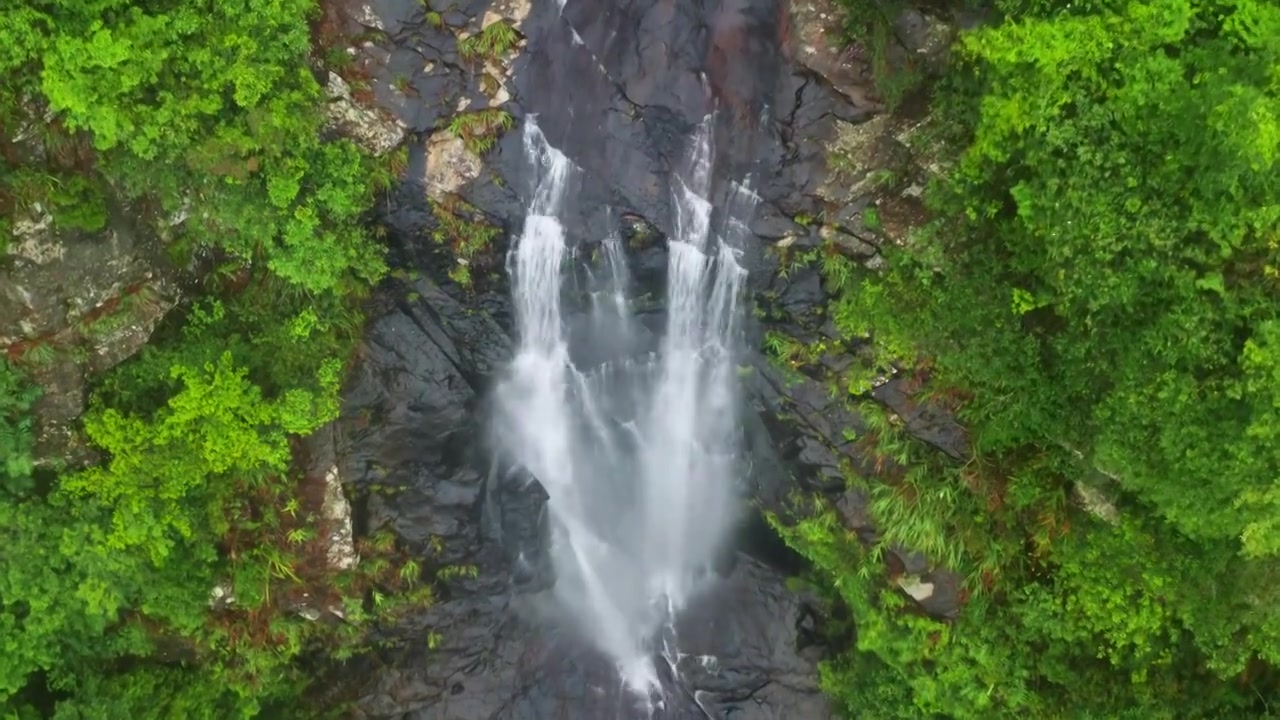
636 452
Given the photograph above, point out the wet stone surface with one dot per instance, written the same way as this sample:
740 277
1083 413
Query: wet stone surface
411 446
618 86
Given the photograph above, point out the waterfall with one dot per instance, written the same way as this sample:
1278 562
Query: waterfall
636 450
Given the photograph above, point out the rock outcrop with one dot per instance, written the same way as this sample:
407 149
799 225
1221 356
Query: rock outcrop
619 87
372 130
411 448
73 305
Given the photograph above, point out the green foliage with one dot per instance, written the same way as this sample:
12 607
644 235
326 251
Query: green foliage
491 43
468 238
1107 634
207 112
481 128
191 105
197 492
1098 300
1125 196
17 430
50 167
153 694
217 426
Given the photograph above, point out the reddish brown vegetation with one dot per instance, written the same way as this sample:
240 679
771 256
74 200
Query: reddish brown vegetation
783 19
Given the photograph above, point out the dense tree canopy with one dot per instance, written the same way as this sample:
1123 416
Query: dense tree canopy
206 108
1101 284
206 113
1122 190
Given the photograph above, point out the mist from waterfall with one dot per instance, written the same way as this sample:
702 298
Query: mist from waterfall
636 450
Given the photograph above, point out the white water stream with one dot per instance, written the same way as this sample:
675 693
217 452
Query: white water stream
636 453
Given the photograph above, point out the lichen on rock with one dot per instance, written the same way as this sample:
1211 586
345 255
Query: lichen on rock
341 548
450 165
375 132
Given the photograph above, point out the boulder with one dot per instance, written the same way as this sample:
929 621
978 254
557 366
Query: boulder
819 45
450 165
1095 501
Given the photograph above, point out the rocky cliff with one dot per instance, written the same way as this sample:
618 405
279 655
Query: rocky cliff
617 87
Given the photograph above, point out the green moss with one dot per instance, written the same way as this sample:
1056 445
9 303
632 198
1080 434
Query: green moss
871 219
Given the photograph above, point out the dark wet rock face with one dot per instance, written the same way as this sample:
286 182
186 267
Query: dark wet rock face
739 660
619 86
411 445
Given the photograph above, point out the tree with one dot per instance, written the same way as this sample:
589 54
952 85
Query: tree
1102 282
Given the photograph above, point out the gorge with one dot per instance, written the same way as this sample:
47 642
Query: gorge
625 473
620 359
